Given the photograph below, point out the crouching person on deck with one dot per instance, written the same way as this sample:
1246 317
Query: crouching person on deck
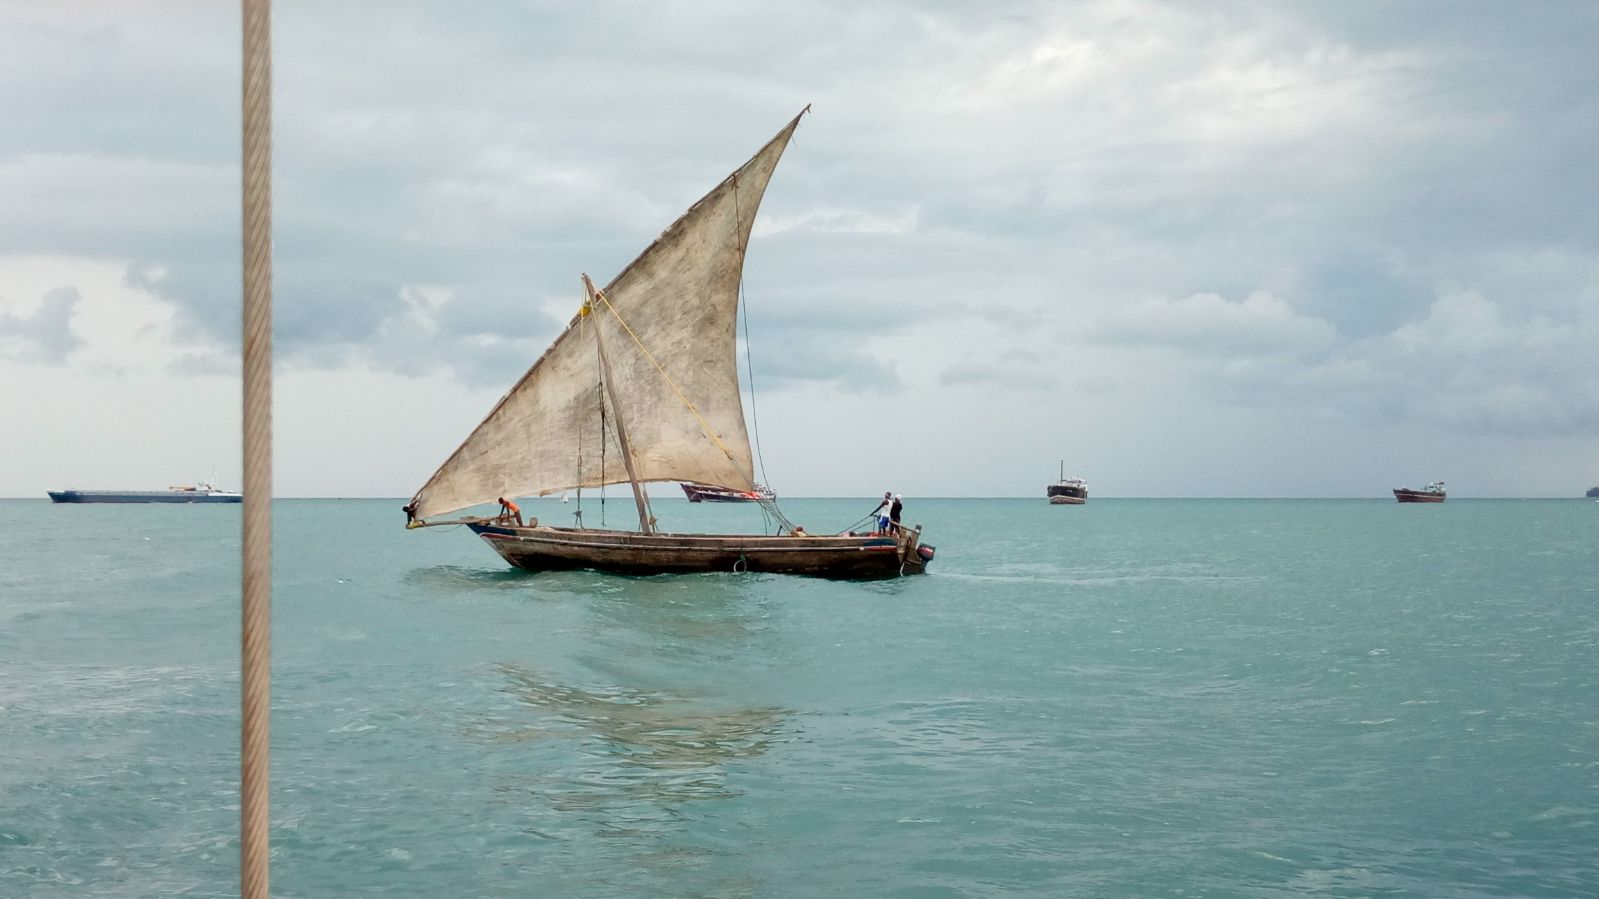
510 510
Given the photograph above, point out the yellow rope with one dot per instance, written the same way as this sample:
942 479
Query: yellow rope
256 580
704 425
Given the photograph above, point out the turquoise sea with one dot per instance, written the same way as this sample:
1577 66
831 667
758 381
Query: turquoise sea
1255 698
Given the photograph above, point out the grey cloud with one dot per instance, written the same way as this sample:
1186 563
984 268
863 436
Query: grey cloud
1360 290
806 328
1465 367
1012 370
1051 165
45 335
389 177
800 357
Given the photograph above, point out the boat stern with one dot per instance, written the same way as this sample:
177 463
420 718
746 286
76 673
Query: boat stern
916 562
914 555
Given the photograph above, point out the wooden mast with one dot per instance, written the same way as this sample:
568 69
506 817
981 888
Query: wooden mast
645 520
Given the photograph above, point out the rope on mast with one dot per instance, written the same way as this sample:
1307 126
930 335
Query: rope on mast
256 538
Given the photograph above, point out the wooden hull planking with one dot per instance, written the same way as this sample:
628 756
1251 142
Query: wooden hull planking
627 552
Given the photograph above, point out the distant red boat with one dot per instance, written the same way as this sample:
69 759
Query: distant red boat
1432 493
710 493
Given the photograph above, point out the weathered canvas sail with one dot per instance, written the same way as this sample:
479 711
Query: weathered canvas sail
669 327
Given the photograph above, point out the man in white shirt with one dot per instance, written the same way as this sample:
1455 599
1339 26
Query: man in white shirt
882 511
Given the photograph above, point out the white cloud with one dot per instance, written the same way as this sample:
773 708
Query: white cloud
1467 366
1206 322
839 220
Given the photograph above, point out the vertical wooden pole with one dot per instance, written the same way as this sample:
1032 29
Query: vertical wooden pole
644 524
256 581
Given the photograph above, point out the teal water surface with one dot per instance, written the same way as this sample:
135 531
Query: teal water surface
1130 698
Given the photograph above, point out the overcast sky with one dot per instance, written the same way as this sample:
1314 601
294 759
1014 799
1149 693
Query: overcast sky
1219 249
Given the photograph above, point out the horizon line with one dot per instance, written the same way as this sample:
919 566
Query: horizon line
867 498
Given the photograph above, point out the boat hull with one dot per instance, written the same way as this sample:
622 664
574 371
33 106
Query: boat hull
1064 500
141 496
626 552
1417 496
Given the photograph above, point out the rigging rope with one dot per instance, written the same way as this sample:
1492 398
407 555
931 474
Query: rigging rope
578 515
704 425
256 537
859 523
749 362
769 507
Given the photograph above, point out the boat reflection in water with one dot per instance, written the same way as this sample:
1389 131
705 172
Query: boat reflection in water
637 753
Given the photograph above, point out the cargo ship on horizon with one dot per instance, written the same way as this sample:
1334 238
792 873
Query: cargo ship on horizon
197 493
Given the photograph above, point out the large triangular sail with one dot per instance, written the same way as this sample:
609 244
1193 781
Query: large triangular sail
668 322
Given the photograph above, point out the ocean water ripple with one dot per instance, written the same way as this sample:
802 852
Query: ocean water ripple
1129 698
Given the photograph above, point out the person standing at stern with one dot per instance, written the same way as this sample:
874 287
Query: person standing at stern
881 513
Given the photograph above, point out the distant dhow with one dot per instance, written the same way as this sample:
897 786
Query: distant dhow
642 387
710 493
1072 491
1432 493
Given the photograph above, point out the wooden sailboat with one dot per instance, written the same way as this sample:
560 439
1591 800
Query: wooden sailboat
642 387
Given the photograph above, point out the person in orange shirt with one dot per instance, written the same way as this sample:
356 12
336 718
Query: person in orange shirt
509 510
